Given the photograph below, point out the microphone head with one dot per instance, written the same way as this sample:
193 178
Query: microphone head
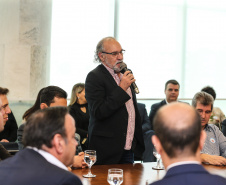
123 67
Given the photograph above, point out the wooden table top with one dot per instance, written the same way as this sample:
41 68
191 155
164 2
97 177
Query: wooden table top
133 174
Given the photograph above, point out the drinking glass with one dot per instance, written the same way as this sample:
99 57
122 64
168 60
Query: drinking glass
158 157
90 158
115 176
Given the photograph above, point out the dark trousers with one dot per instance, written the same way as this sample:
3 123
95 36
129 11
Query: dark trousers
127 157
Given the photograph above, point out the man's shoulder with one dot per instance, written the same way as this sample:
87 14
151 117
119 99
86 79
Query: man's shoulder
159 104
96 73
194 179
212 128
141 105
190 174
97 69
26 159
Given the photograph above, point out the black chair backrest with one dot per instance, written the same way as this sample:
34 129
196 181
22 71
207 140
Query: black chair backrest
224 127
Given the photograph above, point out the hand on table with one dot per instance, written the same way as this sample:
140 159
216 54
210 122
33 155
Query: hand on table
79 161
213 159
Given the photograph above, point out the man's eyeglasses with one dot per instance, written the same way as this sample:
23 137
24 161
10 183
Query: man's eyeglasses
115 53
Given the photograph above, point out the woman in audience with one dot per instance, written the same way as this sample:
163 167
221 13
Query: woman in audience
78 109
217 116
35 107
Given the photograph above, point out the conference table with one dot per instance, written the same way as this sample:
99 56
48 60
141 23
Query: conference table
133 174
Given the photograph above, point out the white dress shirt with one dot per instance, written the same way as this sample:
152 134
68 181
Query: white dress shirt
50 158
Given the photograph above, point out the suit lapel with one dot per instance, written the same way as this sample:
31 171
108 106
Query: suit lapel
108 75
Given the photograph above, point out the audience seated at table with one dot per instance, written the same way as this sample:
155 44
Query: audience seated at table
50 96
214 149
217 116
50 148
179 139
78 109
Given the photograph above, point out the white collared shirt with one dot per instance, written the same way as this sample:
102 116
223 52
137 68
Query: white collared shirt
168 102
182 163
49 157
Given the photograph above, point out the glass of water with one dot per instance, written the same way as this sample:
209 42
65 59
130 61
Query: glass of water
115 176
90 158
158 157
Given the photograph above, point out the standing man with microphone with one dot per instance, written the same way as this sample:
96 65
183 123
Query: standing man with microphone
115 125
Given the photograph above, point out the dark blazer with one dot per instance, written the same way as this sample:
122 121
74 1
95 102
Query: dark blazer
190 174
10 129
147 135
29 167
154 108
81 119
146 125
108 117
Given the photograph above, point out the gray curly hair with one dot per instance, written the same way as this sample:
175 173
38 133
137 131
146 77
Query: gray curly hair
100 48
203 98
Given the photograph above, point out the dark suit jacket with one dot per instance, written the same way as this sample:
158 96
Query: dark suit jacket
10 129
147 134
154 108
108 117
146 125
29 167
190 174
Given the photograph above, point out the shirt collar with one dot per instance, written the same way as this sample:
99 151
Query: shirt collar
181 163
49 157
207 127
111 71
168 102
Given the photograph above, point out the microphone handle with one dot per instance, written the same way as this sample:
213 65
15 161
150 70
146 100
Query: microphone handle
134 86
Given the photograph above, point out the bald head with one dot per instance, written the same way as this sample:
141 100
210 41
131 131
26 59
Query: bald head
178 128
100 47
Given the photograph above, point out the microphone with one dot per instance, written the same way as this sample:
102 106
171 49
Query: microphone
123 69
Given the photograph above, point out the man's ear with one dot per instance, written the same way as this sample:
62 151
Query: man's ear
202 139
43 106
101 56
58 143
156 143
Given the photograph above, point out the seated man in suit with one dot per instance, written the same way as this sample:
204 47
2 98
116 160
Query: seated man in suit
9 134
3 152
52 96
172 88
179 140
50 148
214 150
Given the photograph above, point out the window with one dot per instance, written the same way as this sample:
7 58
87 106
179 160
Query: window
163 39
